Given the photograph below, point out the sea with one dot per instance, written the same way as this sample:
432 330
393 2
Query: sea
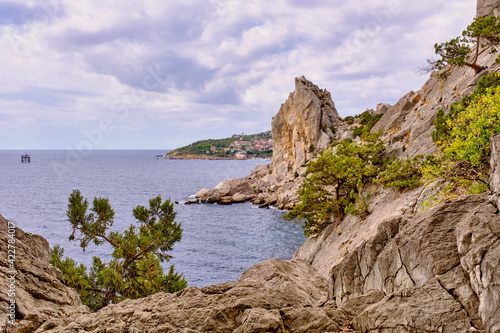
218 242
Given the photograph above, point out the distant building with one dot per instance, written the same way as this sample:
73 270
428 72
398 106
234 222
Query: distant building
213 148
241 154
234 136
241 143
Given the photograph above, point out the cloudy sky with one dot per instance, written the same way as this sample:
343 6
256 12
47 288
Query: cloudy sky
158 74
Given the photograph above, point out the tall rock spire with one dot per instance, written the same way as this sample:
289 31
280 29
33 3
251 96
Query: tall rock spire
305 125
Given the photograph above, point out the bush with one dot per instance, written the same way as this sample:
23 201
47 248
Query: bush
349 119
463 137
402 174
368 121
334 184
135 269
441 124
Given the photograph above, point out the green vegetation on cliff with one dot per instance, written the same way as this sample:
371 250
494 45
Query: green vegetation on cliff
367 121
463 137
335 182
222 147
134 270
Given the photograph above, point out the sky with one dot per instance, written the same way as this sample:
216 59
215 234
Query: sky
159 74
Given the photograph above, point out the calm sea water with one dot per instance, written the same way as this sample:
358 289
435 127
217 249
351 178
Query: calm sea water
219 242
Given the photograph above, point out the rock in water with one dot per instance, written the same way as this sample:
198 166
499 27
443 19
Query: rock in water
305 124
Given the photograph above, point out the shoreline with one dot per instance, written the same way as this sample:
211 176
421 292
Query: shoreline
213 158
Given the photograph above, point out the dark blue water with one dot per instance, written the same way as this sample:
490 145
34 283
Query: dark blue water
218 242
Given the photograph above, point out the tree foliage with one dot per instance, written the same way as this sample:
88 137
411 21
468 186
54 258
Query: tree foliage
441 133
134 270
334 183
402 173
481 33
463 137
367 121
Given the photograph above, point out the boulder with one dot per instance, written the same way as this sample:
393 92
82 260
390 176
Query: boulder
227 190
201 193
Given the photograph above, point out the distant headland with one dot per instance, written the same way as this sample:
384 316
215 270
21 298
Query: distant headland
236 147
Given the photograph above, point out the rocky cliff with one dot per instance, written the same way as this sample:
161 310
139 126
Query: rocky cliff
488 8
431 272
400 269
305 124
27 277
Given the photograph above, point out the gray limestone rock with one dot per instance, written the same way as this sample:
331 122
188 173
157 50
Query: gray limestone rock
495 169
408 125
305 124
382 108
270 297
488 8
39 289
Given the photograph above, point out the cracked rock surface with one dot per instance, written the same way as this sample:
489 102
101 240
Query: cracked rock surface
436 271
39 291
274 296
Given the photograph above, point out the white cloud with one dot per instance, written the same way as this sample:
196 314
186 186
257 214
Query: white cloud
205 67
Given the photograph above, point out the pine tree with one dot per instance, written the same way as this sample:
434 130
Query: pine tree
134 270
481 33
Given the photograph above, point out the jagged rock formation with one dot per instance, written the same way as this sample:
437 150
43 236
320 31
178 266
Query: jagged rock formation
488 8
274 296
305 124
39 290
397 270
426 271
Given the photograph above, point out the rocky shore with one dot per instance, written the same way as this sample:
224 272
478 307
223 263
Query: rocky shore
400 269
399 272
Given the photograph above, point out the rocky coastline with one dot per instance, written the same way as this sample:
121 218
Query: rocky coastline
399 269
208 157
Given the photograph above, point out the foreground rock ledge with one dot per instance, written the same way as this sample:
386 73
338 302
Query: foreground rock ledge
274 296
431 272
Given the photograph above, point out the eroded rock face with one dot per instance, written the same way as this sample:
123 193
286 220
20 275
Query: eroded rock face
305 124
495 169
407 126
488 8
433 271
274 296
39 290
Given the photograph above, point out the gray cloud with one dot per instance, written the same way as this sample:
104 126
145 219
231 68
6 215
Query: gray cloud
12 13
212 65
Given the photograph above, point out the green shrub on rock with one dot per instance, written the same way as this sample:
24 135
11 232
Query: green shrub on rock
402 174
134 270
334 183
463 137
